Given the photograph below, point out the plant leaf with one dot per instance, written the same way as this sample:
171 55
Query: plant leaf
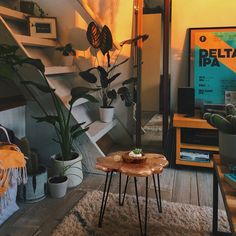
112 94
49 119
41 87
113 77
94 35
6 71
79 132
134 40
81 92
124 61
106 40
125 95
87 76
103 77
35 62
76 126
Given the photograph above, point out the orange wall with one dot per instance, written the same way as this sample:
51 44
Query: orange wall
189 14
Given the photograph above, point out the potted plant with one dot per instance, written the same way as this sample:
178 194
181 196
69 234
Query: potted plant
103 76
68 53
226 124
32 8
61 120
36 187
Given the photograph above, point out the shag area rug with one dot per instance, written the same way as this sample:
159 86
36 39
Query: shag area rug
176 219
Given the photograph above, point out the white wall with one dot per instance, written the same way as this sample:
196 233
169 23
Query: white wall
189 14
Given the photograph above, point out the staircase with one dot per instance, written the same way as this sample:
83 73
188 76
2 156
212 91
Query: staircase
12 28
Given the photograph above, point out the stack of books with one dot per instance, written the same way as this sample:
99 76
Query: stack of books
195 155
230 178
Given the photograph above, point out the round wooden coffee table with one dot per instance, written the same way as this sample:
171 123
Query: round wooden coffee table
153 165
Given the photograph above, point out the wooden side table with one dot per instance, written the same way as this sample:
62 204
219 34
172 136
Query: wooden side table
153 165
228 195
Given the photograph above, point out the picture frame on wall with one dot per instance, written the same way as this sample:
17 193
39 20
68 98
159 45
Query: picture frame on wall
42 27
212 63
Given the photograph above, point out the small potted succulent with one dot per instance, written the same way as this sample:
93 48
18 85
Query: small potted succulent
103 75
68 53
36 187
134 156
226 124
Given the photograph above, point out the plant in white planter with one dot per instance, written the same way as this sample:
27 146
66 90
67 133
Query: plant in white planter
103 76
226 124
36 187
68 54
61 119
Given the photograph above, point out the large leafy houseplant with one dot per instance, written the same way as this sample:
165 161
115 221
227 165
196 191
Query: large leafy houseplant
61 120
103 75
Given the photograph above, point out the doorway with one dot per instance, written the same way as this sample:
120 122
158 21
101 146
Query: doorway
151 113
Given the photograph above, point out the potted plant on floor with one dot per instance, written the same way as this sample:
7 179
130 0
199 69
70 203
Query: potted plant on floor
226 124
68 53
61 120
36 187
103 76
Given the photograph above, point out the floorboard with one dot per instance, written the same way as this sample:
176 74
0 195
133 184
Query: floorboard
177 185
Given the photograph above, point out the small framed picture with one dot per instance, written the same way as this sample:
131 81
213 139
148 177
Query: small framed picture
42 27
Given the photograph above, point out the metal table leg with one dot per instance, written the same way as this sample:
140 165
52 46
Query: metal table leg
215 204
121 203
158 196
104 198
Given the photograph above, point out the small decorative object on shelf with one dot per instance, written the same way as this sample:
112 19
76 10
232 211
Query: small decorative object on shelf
134 156
230 178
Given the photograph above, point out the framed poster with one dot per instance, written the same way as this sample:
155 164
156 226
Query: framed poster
42 27
212 63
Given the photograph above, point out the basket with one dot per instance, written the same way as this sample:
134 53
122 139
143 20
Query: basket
129 159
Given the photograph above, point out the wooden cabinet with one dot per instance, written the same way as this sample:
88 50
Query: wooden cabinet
181 122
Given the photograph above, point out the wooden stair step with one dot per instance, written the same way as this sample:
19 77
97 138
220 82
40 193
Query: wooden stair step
35 42
98 129
55 70
12 14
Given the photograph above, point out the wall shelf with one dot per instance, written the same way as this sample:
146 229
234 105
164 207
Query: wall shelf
55 70
12 14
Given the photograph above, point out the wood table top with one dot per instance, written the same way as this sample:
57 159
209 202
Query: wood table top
228 193
154 164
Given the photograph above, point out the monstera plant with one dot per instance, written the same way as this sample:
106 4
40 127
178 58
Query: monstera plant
103 75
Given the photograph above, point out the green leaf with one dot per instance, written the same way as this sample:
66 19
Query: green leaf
130 80
49 119
79 132
81 92
134 40
35 62
94 35
113 77
90 98
87 76
41 87
76 126
112 94
6 71
106 40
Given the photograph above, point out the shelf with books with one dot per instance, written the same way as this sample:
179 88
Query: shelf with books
181 123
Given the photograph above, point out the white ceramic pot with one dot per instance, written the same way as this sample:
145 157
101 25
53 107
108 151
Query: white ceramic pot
227 147
57 186
106 114
73 169
67 60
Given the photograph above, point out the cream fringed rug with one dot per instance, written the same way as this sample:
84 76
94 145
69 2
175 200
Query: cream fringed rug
176 219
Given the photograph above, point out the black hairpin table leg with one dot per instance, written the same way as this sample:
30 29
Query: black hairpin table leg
104 197
158 196
121 203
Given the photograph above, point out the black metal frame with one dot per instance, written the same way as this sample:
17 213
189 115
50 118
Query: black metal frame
121 201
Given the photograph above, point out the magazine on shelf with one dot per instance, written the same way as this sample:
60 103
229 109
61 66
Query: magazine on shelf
195 155
230 178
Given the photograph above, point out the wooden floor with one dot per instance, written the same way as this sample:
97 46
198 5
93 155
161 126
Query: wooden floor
177 185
